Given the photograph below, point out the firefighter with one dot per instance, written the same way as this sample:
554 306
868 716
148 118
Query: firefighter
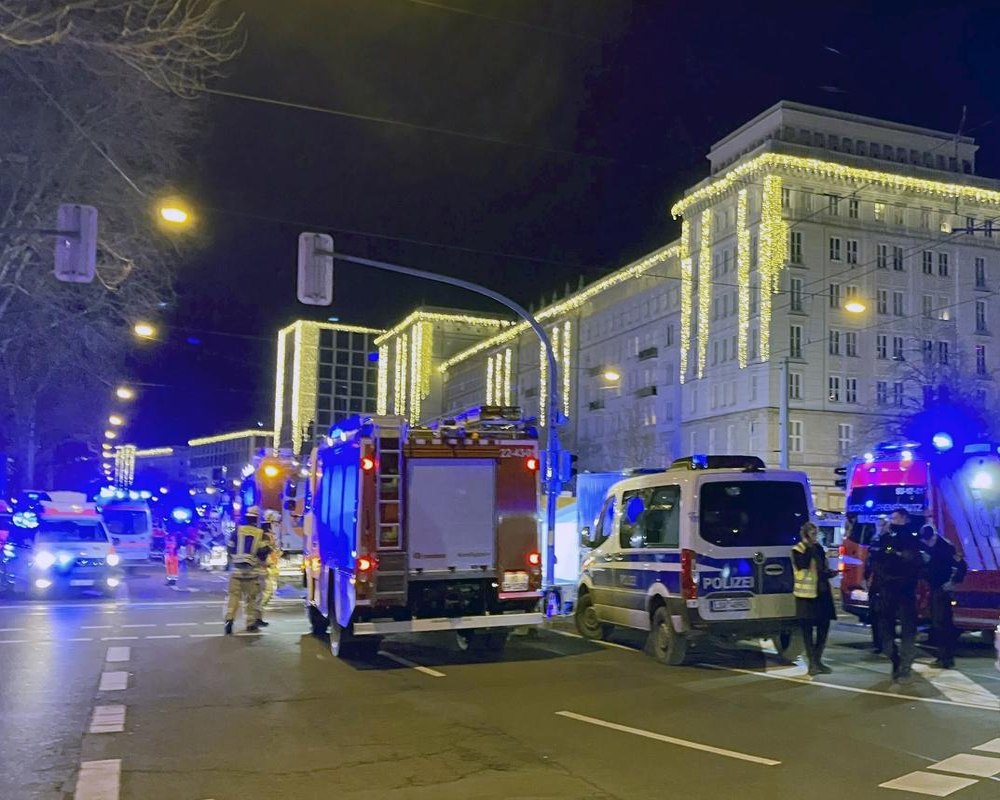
171 557
897 563
248 551
944 569
271 567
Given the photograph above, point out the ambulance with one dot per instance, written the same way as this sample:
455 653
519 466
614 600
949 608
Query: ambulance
700 550
420 529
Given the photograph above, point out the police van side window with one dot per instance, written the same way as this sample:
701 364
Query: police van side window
605 523
651 517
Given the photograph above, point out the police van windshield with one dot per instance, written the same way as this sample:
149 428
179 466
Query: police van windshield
70 531
752 513
122 522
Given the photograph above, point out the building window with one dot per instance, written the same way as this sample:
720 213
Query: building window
851 390
833 205
833 388
882 301
879 207
852 207
928 306
882 256
670 334
970 223
942 348
794 385
881 393
881 343
980 316
795 341
980 272
897 348
899 215
754 339
943 311
943 265
795 436
834 342
851 343
925 218
852 252
980 359
928 262
835 248
845 436
897 394
928 351
898 307
795 294
897 258
795 247
928 395
786 197
753 252
834 295
988 232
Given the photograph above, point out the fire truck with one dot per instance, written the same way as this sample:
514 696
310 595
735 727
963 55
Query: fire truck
958 492
419 529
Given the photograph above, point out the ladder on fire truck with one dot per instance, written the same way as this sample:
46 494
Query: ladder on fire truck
392 559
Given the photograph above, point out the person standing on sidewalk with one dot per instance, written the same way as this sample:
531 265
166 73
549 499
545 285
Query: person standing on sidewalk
945 568
897 563
813 596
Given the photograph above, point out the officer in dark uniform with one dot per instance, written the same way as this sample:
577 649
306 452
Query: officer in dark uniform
945 569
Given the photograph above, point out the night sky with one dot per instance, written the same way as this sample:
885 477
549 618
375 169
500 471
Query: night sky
599 113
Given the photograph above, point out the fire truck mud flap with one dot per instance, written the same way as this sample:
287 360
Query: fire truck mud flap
447 624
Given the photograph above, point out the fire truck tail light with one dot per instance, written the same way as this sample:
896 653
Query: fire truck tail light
367 463
531 464
365 564
534 559
842 551
689 582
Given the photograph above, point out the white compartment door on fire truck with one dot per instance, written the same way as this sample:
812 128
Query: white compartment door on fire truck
451 514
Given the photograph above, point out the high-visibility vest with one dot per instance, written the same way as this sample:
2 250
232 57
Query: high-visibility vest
806 580
248 540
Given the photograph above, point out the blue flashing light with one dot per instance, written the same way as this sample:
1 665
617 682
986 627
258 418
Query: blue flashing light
373 356
942 441
194 340
869 503
699 461
181 514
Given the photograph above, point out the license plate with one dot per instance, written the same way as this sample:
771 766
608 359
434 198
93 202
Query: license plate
859 595
730 604
515 581
80 582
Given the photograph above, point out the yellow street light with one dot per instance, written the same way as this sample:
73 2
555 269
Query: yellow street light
124 393
144 330
612 375
114 419
855 307
110 434
174 214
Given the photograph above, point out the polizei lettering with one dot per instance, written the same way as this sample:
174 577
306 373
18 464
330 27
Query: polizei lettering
726 583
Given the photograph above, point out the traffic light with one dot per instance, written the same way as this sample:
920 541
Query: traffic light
76 243
315 286
840 483
567 465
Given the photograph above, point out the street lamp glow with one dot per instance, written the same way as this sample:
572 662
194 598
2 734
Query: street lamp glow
115 420
855 307
124 393
109 434
174 214
612 375
144 330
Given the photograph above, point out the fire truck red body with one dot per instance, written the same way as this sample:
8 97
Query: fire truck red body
419 529
963 503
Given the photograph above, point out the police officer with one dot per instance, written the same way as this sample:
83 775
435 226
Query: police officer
247 550
944 569
897 562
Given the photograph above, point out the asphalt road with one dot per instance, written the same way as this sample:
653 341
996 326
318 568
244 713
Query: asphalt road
144 698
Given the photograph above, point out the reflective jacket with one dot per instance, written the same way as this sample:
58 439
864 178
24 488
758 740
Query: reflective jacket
807 579
247 546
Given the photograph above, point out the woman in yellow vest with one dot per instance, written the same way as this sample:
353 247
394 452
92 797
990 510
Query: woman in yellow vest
813 596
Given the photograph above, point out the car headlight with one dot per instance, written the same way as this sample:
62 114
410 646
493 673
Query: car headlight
44 559
65 559
113 559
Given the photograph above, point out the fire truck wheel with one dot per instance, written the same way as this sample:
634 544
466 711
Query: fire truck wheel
666 644
788 644
587 621
317 621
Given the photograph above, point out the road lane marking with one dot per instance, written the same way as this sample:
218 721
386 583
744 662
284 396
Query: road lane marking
205 635
113 681
854 689
99 780
992 746
595 641
163 636
13 641
659 737
79 639
10 630
180 624
405 662
108 719
119 654
956 686
928 783
119 638
966 764
140 625
96 627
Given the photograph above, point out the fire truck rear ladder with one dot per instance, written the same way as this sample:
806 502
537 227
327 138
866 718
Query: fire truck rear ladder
391 579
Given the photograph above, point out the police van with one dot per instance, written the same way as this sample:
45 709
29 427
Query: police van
701 549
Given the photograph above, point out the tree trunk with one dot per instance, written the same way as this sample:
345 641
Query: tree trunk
30 446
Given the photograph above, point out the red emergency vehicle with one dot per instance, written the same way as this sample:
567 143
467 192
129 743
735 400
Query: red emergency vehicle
425 529
959 494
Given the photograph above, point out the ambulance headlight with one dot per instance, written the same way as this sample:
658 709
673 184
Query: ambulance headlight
44 559
113 559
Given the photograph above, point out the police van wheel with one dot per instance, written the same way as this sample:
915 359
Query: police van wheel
788 644
666 644
587 622
317 621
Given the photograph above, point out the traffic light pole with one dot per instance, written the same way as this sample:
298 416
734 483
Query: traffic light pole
553 479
